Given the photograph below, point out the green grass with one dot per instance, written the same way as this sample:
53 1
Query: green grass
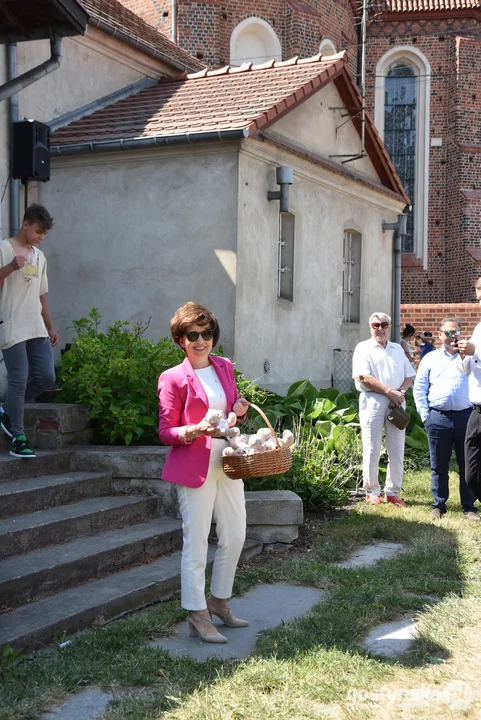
308 668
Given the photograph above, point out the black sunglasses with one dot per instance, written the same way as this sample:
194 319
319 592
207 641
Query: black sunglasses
383 325
193 335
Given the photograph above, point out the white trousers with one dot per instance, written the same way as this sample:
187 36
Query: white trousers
221 499
373 419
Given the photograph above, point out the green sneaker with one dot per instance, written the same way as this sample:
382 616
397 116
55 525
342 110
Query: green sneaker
20 448
5 423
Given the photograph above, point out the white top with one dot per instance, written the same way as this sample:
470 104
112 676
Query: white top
20 307
389 365
471 365
213 389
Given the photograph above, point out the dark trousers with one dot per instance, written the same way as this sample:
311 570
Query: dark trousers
473 454
446 429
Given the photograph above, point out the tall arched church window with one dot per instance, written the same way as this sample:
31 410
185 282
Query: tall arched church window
402 99
400 133
254 40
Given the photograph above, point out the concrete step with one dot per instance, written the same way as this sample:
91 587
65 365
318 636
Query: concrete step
31 494
37 624
30 576
25 533
47 462
66 418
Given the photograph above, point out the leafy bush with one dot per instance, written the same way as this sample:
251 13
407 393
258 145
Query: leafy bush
328 452
324 467
116 373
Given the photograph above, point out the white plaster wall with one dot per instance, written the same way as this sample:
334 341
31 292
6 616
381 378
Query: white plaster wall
316 129
298 338
3 146
93 66
3 181
138 235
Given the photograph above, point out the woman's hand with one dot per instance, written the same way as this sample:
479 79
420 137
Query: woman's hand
240 407
205 428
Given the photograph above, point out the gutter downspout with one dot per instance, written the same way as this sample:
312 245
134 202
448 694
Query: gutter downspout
400 231
174 21
13 117
15 84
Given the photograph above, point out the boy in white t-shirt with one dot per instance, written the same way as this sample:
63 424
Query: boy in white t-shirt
27 333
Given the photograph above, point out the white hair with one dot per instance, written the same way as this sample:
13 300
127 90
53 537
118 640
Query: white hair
379 315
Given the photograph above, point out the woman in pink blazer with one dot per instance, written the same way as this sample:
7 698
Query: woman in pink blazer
186 392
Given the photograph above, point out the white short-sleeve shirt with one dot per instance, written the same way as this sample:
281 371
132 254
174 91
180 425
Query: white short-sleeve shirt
389 365
20 307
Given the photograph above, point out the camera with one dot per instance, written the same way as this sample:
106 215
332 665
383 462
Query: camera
452 335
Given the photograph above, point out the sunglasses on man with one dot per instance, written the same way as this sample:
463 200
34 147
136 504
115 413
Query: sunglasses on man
193 335
383 325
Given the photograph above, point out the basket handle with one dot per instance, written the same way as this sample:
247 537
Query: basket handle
266 419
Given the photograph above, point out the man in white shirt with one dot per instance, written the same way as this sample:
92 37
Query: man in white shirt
382 373
471 365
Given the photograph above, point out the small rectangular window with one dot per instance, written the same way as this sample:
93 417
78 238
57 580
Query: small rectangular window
351 277
285 257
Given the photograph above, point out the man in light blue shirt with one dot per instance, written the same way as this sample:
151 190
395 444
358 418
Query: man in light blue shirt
441 397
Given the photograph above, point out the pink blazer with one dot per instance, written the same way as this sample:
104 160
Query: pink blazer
182 401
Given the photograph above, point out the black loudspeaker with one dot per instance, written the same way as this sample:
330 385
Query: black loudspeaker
31 151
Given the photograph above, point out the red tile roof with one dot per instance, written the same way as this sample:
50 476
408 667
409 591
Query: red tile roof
126 23
425 5
245 99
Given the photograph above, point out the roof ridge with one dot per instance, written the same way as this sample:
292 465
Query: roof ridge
268 65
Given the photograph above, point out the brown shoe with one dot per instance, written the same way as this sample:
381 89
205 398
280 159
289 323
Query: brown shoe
225 614
436 514
205 628
471 515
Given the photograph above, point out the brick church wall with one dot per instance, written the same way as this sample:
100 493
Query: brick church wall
428 316
453 218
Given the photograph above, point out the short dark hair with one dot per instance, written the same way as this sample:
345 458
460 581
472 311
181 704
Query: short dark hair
40 215
408 330
193 314
450 319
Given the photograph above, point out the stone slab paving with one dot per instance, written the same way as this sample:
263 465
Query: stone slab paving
86 705
370 554
266 606
391 639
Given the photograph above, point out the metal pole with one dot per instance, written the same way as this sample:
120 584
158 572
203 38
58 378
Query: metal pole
363 73
13 117
25 184
174 21
397 287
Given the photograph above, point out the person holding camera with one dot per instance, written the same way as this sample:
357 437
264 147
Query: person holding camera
382 373
442 400
470 365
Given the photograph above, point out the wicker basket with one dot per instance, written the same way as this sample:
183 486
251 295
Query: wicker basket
270 462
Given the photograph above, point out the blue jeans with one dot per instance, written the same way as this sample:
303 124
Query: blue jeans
445 429
31 370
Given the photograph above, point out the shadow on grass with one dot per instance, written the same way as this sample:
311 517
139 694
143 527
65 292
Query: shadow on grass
413 584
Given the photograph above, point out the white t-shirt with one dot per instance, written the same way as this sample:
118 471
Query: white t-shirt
213 389
389 365
20 307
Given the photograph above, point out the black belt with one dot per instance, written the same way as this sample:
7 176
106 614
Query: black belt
455 411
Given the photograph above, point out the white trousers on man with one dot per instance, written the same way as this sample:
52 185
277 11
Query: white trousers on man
373 413
222 500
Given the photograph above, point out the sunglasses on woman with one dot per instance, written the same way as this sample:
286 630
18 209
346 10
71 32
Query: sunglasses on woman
383 325
193 335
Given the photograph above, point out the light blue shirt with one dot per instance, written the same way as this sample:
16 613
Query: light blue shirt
439 384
